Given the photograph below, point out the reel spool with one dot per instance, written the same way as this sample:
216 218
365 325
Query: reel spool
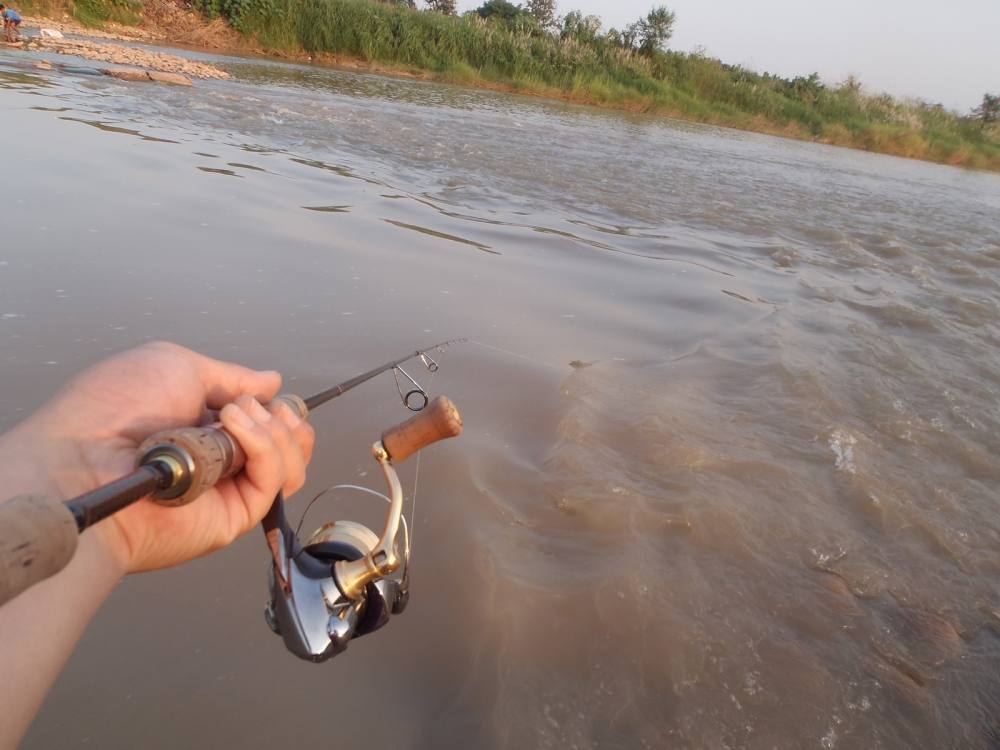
340 585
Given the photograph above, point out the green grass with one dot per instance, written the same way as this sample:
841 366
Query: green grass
93 13
98 12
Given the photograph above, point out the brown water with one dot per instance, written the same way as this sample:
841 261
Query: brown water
759 509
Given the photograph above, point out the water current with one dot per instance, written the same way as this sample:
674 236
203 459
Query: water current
730 469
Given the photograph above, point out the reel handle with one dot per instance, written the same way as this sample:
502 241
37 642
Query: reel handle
200 457
38 538
438 421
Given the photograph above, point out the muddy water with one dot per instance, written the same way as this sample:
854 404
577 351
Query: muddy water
730 471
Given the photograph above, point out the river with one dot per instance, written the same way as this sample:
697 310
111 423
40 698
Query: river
730 469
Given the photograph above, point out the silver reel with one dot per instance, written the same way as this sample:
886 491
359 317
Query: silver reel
342 584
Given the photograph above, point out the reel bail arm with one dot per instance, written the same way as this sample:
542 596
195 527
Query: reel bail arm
438 421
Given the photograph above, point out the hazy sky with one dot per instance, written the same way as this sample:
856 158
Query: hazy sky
947 52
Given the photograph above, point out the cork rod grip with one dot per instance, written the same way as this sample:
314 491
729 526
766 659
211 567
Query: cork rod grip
214 454
438 421
37 539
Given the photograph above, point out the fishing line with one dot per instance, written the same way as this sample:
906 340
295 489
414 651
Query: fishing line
416 470
509 353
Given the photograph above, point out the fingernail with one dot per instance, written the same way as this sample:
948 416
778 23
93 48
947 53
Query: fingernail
260 414
289 417
239 416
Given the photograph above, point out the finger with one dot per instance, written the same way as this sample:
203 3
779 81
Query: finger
225 381
264 472
285 441
301 430
291 452
255 409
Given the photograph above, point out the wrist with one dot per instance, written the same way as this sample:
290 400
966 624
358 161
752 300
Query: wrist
109 553
28 465
21 466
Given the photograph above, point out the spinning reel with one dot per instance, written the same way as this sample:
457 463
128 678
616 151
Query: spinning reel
343 583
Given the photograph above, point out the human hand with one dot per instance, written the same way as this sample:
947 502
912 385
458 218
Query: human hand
89 435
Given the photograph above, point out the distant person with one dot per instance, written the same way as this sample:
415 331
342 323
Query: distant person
11 23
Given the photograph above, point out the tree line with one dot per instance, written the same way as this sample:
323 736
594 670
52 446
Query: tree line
646 35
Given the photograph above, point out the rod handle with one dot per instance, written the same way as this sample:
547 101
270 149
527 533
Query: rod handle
438 421
203 455
38 538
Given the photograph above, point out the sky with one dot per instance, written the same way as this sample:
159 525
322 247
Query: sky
945 52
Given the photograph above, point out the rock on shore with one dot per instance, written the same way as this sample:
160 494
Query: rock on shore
130 56
138 74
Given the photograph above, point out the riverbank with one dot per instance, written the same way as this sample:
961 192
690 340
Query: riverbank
173 26
120 54
393 40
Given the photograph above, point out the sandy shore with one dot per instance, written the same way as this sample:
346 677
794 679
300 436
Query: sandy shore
106 50
120 54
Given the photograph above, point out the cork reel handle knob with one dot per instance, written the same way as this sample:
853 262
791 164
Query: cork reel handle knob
438 421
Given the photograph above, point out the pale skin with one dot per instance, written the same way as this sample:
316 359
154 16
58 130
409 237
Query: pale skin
88 435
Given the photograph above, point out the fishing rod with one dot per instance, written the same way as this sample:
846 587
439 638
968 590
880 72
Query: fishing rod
324 593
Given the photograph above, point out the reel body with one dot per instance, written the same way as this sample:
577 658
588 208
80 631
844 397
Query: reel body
342 585
311 614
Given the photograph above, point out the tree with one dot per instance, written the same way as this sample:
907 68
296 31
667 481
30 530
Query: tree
989 111
651 33
544 12
501 9
580 27
447 7
658 28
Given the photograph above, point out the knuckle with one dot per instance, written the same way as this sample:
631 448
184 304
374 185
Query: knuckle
244 402
295 481
306 436
160 345
279 432
279 410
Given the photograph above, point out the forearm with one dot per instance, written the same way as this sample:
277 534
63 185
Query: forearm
41 626
88 435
